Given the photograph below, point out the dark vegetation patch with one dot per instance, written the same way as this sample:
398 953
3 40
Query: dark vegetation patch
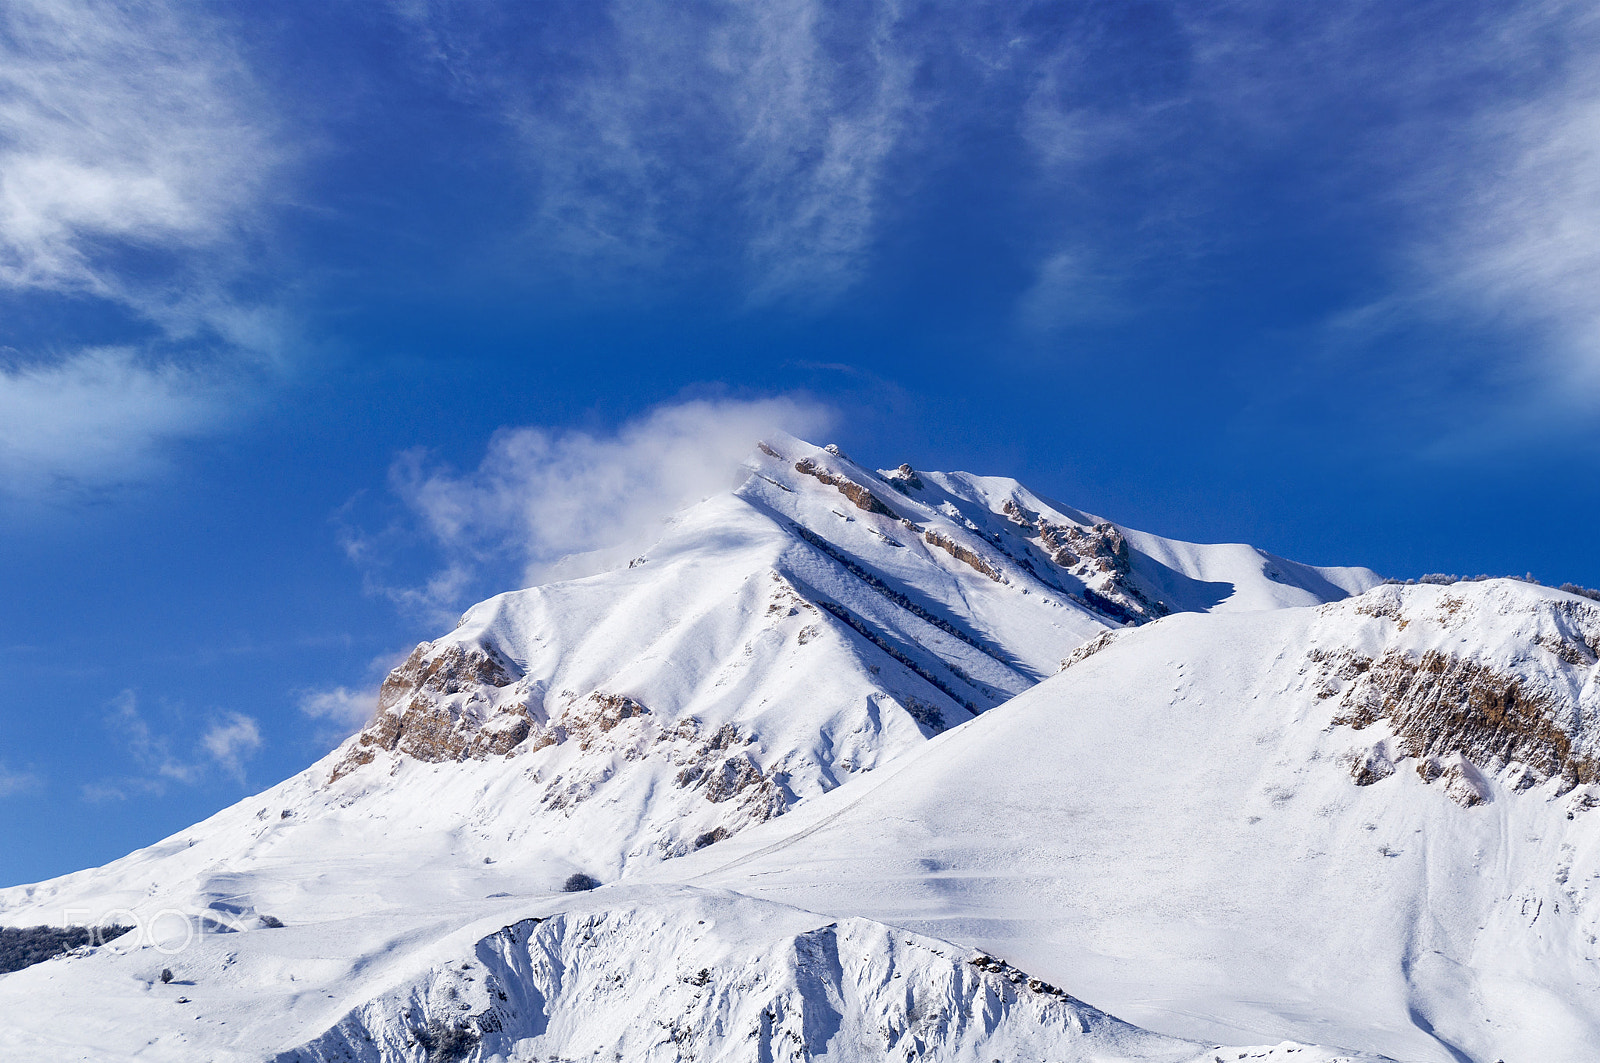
445 1044
24 946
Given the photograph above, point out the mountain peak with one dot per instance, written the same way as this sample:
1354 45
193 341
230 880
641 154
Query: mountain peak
801 634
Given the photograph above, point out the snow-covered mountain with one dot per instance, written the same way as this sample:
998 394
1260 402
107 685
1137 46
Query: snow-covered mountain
810 626
860 724
1369 823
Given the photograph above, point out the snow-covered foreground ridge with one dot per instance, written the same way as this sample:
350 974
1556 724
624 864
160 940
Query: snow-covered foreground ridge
853 750
624 973
725 978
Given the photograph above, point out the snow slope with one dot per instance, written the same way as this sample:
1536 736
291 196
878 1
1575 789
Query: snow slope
787 640
1369 823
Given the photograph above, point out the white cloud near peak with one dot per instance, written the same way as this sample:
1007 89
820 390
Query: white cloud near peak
564 503
230 741
349 710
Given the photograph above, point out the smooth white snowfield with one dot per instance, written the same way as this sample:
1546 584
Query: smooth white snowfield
1172 827
676 728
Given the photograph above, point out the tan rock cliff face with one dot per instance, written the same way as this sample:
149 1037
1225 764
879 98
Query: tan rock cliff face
469 703
961 553
1439 706
1102 546
1460 718
1098 555
417 716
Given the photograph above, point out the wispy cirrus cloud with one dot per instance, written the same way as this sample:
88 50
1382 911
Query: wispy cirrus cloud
782 145
137 157
1513 224
122 125
228 740
1475 161
1453 149
754 139
16 782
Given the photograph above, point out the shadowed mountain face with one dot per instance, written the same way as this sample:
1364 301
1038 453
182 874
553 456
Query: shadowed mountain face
796 637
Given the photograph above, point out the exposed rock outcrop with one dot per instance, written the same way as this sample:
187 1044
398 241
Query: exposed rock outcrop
961 553
905 480
858 495
1440 706
1089 649
434 708
1102 546
1098 555
1462 718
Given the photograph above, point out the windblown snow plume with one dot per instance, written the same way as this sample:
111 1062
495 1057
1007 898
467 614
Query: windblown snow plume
570 503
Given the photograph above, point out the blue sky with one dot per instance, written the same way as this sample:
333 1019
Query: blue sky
321 322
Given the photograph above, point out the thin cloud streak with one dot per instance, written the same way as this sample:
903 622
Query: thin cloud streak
137 160
229 740
97 418
1522 238
16 782
676 136
1458 149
